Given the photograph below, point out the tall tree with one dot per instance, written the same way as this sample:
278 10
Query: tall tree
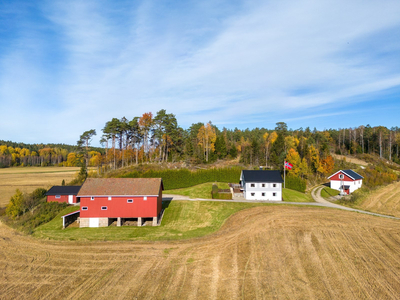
85 140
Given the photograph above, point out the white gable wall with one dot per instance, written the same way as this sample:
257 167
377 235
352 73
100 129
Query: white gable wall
354 185
263 191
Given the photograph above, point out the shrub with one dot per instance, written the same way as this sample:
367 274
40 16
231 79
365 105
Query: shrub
296 183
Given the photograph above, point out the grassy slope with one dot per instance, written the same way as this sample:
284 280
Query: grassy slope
198 191
295 196
328 192
182 220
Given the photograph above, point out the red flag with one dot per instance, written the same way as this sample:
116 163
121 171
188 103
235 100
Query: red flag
288 165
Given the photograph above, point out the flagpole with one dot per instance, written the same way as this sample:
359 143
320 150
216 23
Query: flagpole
284 175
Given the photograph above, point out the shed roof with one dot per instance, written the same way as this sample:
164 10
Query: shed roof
121 187
261 176
350 173
63 190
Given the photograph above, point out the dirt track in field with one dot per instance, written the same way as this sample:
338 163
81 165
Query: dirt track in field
264 252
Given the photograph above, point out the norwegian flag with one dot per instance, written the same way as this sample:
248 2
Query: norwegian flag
288 165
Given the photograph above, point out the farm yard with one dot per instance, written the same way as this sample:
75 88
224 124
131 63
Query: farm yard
28 179
279 252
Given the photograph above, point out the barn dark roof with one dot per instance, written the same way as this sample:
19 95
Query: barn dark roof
262 176
63 190
121 187
353 175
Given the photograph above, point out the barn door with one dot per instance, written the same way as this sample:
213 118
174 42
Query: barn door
93 222
70 199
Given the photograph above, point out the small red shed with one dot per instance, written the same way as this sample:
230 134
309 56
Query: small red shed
105 200
64 193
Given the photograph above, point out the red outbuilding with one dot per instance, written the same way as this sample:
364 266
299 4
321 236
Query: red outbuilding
105 200
63 193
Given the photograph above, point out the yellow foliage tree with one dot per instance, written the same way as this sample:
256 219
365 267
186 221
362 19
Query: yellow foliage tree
269 141
207 138
293 157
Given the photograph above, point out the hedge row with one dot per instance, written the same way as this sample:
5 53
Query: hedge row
296 183
182 178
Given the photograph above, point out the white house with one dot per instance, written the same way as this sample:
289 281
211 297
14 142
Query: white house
346 181
261 185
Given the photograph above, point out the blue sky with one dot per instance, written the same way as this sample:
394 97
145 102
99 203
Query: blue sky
71 66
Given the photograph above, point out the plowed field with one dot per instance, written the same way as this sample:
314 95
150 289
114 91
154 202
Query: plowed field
385 200
269 252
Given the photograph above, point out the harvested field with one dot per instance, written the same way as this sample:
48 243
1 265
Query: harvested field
385 200
28 179
267 252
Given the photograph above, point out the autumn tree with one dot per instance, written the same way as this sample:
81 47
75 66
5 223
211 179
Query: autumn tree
207 137
269 140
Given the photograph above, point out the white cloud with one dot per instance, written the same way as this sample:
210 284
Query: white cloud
206 62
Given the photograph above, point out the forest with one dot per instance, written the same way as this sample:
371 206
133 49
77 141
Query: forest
158 138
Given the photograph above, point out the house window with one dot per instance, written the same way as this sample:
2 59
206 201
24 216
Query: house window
58 196
104 208
253 194
263 185
84 208
263 194
274 194
92 198
109 198
130 201
274 185
252 185
145 198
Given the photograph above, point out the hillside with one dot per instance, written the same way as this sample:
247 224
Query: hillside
263 252
385 200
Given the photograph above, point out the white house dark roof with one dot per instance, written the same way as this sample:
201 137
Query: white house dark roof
261 176
350 173
63 190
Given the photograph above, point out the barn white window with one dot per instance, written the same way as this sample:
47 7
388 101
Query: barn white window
145 198
92 198
109 198
84 208
104 208
58 196
341 176
129 200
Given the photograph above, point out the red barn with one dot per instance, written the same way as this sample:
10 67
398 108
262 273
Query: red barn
63 194
105 200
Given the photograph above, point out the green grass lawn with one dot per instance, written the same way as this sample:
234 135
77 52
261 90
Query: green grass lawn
327 192
295 196
182 220
198 191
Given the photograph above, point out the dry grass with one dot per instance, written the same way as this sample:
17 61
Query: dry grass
351 159
28 179
265 252
385 200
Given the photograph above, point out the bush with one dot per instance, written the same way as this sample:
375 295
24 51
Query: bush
176 179
296 183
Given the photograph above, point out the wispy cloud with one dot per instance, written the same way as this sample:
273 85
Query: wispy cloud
235 63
